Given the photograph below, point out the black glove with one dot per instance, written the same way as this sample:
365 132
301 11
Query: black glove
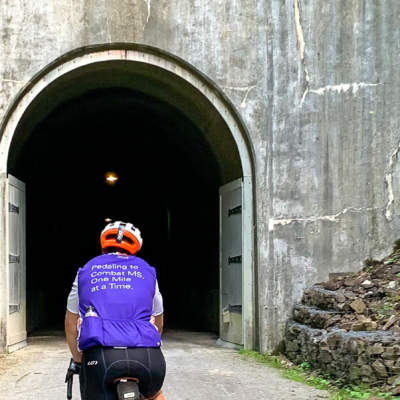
74 368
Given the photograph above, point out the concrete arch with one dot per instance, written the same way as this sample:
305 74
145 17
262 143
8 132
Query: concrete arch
166 63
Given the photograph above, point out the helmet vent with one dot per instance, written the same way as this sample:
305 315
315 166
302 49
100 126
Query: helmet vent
111 236
127 239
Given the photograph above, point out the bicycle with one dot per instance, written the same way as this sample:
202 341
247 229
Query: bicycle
126 387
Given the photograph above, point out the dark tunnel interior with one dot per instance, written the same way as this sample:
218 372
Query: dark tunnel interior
168 188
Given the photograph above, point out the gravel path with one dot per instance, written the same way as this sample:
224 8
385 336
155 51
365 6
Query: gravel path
196 370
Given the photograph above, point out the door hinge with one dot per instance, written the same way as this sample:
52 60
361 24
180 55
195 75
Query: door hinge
13 259
13 208
235 260
235 210
13 308
236 308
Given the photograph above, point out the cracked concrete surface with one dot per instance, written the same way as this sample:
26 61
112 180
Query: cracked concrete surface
389 182
196 370
148 3
245 89
332 218
339 89
301 47
14 81
343 88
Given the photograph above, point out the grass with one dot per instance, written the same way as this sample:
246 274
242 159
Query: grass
302 373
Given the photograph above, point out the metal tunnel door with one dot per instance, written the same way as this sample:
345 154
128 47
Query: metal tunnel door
230 200
16 324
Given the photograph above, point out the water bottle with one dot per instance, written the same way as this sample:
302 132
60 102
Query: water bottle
90 312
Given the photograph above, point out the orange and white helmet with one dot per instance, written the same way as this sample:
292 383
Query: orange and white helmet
121 236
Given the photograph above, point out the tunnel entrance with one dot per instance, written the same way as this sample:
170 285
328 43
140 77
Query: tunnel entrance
174 142
168 187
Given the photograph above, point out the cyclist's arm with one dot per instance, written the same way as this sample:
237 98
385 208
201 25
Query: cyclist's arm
71 321
159 322
158 310
71 331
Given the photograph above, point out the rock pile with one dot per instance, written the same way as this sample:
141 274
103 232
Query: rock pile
349 327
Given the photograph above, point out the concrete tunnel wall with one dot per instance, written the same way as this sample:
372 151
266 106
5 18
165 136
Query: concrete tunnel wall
317 87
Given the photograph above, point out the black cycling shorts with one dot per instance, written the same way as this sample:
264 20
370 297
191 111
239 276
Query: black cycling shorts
102 365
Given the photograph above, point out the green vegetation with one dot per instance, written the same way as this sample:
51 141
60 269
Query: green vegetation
396 246
370 264
394 258
302 373
384 310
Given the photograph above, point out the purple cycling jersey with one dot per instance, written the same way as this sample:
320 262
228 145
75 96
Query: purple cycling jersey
115 302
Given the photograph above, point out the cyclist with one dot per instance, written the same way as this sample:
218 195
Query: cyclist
114 318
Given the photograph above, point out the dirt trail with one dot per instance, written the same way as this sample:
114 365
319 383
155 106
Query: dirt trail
196 370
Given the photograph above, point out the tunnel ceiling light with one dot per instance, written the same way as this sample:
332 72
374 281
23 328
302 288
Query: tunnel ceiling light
111 178
108 220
